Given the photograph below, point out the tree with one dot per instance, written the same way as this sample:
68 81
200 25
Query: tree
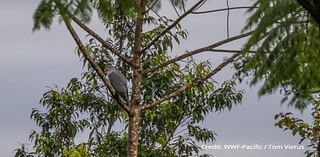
286 49
169 97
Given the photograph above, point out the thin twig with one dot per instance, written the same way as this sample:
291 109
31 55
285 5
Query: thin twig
183 6
151 6
191 53
174 8
228 18
172 25
229 51
161 18
194 83
224 9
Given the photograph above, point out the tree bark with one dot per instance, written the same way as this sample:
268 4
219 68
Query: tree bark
135 108
134 123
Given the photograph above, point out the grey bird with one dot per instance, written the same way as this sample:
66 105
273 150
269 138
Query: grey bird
118 82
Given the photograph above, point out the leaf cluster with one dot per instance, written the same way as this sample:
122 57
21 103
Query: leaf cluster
286 44
310 132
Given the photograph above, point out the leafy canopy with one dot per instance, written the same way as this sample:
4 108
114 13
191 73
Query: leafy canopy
85 106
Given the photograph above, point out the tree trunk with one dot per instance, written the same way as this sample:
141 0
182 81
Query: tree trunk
134 123
135 108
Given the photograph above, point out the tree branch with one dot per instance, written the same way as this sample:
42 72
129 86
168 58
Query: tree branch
151 6
228 19
100 39
194 83
191 53
229 51
94 65
224 9
172 25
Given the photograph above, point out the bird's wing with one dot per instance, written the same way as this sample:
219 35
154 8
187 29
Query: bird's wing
119 83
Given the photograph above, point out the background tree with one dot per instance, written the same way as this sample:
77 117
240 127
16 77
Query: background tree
170 95
286 49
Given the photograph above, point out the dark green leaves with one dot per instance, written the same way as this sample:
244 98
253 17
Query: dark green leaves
287 43
49 9
113 145
74 109
44 14
201 134
109 9
225 96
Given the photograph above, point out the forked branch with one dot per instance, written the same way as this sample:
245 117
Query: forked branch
172 25
194 52
194 83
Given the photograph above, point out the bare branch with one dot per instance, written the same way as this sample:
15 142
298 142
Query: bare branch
100 39
172 25
224 9
228 18
94 65
229 51
194 52
194 83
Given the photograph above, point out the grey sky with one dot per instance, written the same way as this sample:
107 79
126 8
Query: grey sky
31 61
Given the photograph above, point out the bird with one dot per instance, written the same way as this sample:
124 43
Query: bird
118 82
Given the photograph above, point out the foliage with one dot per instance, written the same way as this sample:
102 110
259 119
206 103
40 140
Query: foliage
170 130
84 105
286 45
77 151
49 9
23 152
108 10
310 132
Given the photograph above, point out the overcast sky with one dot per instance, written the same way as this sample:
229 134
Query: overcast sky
29 62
